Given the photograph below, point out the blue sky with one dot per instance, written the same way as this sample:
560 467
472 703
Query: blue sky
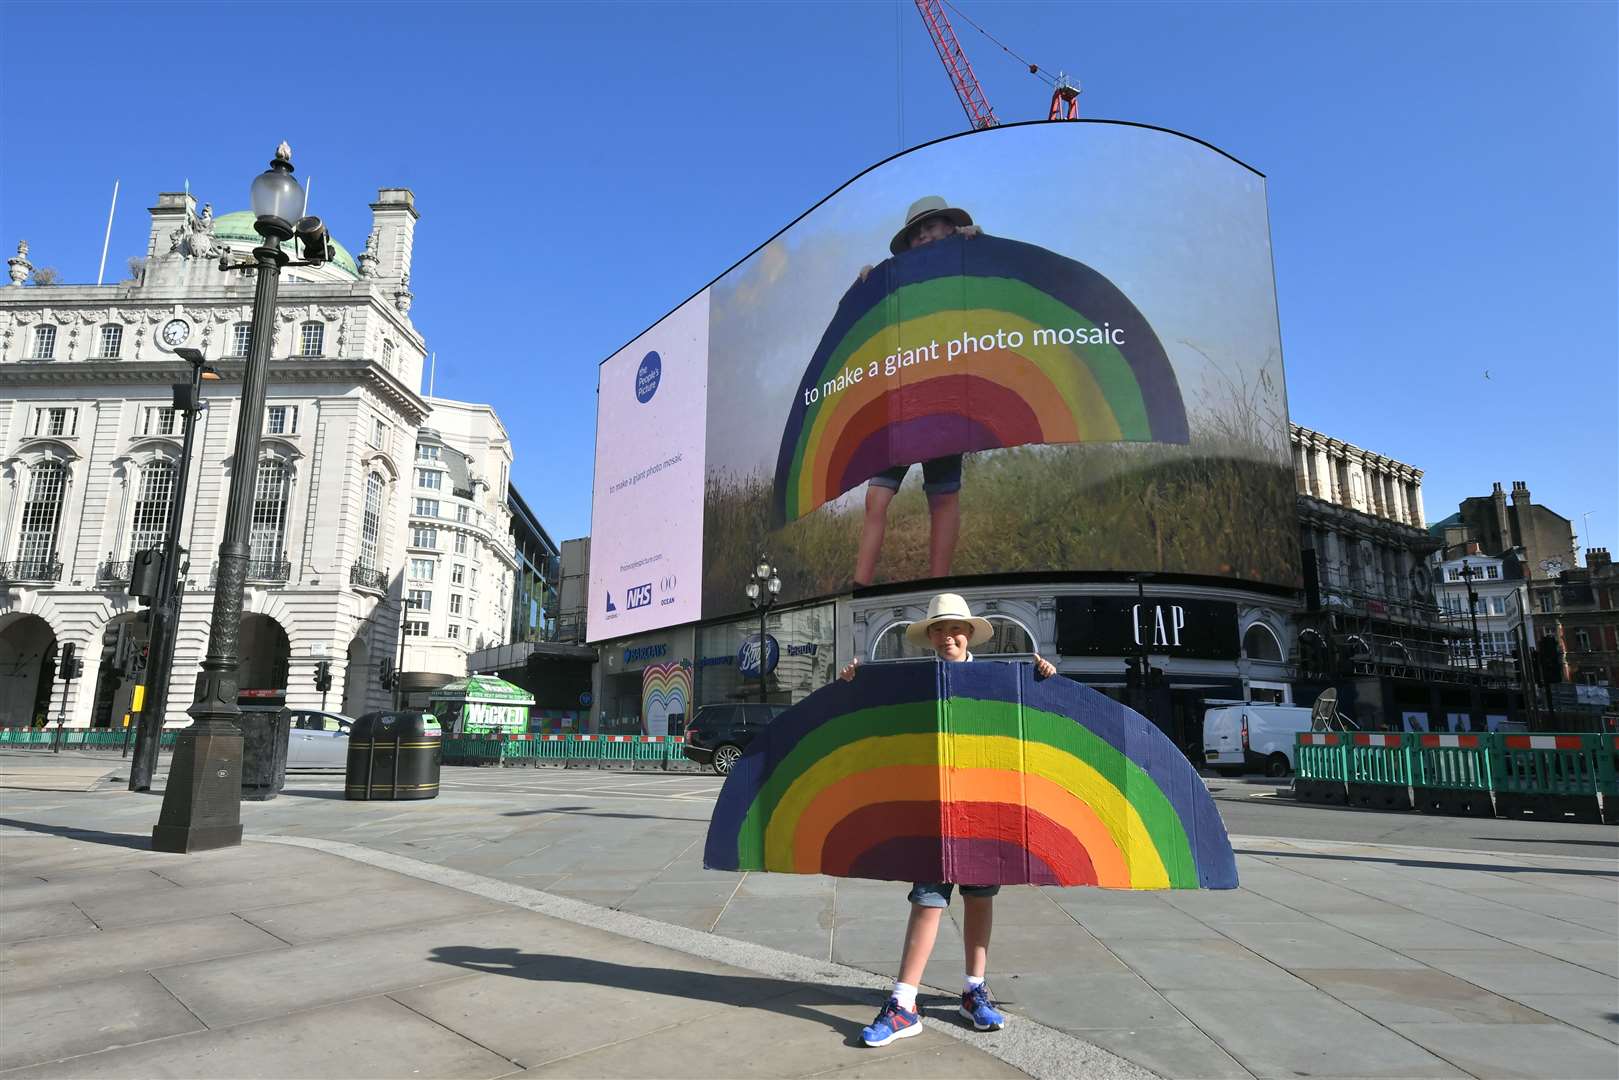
1442 181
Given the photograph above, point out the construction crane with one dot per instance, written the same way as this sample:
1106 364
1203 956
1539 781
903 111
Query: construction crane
1064 94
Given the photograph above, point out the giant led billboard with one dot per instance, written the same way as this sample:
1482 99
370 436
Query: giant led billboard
1041 348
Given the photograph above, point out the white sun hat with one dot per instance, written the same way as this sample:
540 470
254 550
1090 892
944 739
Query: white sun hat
948 607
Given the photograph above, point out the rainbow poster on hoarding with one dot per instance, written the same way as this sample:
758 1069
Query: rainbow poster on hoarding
665 692
974 773
971 343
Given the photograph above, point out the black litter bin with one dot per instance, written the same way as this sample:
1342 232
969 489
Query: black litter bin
394 755
264 752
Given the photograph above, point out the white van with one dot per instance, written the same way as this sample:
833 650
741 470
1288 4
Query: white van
1252 738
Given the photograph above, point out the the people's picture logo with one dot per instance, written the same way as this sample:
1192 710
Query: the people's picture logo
648 376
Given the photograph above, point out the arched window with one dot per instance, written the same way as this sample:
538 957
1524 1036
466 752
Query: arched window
41 513
1260 644
371 521
268 533
152 506
1011 638
313 340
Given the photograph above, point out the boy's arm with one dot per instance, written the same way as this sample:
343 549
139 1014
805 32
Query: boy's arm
1043 668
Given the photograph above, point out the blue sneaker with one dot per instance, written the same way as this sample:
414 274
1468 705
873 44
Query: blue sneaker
892 1023
975 1006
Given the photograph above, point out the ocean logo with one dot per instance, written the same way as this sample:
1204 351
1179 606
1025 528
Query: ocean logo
975 772
971 343
747 657
665 691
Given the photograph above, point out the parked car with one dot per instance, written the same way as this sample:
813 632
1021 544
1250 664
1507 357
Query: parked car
317 740
717 734
1252 738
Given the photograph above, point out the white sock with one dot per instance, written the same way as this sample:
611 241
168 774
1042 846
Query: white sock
906 994
972 981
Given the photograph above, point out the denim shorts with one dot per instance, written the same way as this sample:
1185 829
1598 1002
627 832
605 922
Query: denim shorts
937 894
940 476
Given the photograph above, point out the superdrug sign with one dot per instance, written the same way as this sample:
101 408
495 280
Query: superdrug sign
1158 625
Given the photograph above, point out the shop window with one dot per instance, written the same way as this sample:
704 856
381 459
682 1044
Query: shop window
1259 643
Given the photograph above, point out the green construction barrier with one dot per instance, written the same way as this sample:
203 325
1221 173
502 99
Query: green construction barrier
1553 777
471 750
583 751
1608 778
617 753
1320 768
1450 774
1378 770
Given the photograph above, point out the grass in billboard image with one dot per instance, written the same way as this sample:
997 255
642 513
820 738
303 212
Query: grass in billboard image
1088 327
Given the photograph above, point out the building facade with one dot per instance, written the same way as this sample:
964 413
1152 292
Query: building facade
89 455
459 561
1373 624
537 584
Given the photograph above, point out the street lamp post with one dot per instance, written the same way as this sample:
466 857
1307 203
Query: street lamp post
1468 574
202 802
763 588
166 605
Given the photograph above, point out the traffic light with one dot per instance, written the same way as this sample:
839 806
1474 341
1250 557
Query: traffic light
323 676
145 573
1551 660
386 665
1132 672
68 664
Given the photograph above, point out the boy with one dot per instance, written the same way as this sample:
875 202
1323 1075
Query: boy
950 628
929 218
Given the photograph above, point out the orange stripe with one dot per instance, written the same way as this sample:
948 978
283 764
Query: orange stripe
915 783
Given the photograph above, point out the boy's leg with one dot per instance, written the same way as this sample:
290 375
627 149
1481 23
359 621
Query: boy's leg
872 528
921 931
975 931
944 512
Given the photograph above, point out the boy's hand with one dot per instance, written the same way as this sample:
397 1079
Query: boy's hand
847 674
865 272
969 230
1043 668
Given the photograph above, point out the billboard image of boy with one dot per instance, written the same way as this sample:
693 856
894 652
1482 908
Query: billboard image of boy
930 218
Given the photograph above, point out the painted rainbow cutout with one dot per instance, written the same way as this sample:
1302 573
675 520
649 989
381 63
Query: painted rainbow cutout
665 687
1120 389
974 773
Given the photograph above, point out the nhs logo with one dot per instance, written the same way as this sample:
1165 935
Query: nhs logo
639 596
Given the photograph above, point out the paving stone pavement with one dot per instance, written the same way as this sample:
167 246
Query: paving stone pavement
1332 959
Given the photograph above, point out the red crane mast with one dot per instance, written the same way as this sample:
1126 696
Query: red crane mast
956 65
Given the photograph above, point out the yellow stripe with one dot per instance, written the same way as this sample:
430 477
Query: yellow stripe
1065 368
1120 818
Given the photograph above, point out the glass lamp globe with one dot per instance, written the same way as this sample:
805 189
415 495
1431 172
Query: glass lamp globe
276 193
775 585
753 590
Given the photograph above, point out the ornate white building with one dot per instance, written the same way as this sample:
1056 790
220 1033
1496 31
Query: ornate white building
89 446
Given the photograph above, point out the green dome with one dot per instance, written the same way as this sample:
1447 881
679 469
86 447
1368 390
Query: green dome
237 228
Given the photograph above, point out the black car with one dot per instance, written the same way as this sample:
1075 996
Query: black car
718 734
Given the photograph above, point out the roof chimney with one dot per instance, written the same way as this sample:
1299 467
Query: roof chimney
1502 524
1597 558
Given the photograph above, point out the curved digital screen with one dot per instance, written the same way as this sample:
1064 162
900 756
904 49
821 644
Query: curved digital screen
1048 347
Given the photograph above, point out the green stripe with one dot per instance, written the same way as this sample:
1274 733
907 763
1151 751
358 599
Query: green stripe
1107 363
973 716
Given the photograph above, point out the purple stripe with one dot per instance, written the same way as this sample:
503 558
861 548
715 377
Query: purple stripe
960 859
909 441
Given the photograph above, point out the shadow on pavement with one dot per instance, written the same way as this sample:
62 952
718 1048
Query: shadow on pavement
1430 862
312 793
585 811
94 836
749 991
1546 840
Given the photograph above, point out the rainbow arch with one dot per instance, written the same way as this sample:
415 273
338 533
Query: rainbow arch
665 689
973 773
1069 388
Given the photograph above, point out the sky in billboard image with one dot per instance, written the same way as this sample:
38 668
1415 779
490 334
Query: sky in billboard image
1104 354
